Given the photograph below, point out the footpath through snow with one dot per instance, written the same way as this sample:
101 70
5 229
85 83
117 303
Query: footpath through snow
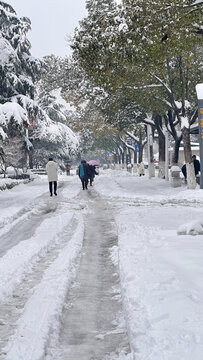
130 226
161 272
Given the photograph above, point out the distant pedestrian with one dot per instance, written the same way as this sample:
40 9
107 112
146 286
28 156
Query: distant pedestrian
91 170
141 169
196 167
184 172
52 172
83 174
196 164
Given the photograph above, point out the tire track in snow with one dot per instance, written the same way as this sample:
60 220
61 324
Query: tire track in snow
20 259
41 314
40 206
24 226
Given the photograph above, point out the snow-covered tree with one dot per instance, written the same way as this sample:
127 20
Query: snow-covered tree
152 45
19 71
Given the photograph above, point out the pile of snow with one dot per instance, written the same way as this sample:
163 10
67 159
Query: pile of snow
175 168
192 228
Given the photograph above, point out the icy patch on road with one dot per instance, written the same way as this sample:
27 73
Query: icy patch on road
41 315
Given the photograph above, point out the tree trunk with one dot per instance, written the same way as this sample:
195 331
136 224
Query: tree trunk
161 142
152 161
119 158
175 157
161 157
140 156
123 159
135 158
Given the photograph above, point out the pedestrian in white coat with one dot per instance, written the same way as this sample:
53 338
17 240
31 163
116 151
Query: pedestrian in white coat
52 172
141 168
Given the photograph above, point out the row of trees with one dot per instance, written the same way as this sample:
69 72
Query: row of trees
24 108
139 63
133 65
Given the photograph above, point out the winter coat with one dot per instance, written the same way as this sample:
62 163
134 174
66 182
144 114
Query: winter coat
91 171
52 171
141 169
184 171
196 166
83 171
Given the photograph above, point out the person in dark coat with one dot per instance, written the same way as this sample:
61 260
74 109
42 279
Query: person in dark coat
196 167
196 164
83 174
184 171
91 173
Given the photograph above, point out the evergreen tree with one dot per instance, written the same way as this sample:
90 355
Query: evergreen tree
18 69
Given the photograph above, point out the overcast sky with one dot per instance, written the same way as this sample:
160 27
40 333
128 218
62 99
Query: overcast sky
51 21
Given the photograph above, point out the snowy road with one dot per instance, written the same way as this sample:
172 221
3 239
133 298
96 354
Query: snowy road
100 274
46 243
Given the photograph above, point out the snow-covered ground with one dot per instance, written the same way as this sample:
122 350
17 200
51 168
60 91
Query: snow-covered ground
158 258
160 270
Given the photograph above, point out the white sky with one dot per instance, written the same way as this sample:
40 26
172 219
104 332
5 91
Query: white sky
51 21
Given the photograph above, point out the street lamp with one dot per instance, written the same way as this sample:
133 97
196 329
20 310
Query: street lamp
165 131
199 90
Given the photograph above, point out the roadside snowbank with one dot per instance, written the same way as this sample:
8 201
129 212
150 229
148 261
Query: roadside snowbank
161 279
192 228
122 184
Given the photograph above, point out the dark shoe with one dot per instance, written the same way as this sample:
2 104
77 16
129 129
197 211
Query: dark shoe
55 193
50 194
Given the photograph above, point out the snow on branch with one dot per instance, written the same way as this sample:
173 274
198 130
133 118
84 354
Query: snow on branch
148 86
57 133
148 120
132 136
3 135
12 111
6 52
28 143
162 82
196 3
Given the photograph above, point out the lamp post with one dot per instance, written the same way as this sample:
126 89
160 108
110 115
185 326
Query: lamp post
166 154
149 145
199 90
